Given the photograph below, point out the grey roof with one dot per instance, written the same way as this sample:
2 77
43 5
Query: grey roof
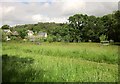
15 33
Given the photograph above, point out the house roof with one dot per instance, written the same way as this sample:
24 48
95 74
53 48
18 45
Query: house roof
15 33
42 33
6 30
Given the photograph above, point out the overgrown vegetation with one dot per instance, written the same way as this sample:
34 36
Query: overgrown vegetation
59 62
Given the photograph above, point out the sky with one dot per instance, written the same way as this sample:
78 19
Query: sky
15 12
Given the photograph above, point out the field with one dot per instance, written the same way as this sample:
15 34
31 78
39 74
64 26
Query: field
59 62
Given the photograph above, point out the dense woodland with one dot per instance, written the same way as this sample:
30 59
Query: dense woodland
80 28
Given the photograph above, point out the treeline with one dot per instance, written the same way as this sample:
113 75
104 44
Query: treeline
80 28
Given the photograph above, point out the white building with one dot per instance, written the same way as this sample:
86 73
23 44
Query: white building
30 33
8 33
42 34
6 30
7 38
15 33
32 37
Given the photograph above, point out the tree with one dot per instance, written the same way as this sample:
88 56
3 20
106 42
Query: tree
112 24
90 28
5 27
81 27
117 25
2 36
77 23
22 33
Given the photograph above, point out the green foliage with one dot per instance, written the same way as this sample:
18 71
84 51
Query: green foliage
22 33
3 37
49 39
15 38
66 38
117 26
77 23
0 35
80 28
41 40
117 15
112 24
103 37
5 27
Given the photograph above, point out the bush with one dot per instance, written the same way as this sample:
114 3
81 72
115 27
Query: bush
103 37
3 37
13 38
49 39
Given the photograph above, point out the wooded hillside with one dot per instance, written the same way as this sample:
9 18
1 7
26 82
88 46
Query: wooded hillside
80 28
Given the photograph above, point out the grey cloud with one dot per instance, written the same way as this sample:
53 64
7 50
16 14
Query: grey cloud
24 12
100 8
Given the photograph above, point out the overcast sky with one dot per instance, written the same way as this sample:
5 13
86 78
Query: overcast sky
14 12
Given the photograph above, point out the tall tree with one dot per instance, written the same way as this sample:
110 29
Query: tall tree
117 25
77 23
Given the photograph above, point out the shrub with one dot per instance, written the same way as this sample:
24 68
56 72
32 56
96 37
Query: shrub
103 37
49 39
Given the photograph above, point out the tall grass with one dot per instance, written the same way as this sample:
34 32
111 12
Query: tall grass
87 51
60 62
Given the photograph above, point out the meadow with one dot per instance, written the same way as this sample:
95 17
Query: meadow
59 62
